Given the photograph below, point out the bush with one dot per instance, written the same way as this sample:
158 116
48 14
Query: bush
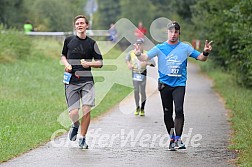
230 26
14 45
241 28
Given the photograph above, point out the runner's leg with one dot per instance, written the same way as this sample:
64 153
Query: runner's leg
143 93
178 96
167 103
85 121
136 92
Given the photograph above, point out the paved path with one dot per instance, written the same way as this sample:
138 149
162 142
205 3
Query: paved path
119 138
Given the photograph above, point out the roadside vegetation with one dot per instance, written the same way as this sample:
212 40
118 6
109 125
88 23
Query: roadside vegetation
237 100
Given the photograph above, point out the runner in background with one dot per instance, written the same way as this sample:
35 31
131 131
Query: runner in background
28 27
141 31
139 72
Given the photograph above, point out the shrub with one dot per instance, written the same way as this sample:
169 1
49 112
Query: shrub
14 45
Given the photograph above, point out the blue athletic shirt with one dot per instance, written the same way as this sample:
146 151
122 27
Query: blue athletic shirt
172 62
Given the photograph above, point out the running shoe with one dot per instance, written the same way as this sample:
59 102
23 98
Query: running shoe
82 143
172 145
180 144
137 111
73 133
142 112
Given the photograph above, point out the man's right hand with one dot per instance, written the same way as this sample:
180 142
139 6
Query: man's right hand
68 68
130 67
137 50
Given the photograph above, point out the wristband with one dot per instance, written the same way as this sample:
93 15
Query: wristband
205 53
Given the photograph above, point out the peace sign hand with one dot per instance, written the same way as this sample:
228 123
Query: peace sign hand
208 47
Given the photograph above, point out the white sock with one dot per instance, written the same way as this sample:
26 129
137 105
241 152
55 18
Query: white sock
82 136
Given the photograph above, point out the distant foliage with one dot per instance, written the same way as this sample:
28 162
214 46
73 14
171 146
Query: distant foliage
45 15
229 24
12 13
242 29
109 11
14 45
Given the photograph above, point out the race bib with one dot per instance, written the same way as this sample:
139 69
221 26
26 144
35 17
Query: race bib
67 77
138 77
175 71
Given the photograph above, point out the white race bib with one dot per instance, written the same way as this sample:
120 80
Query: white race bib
175 71
67 77
138 77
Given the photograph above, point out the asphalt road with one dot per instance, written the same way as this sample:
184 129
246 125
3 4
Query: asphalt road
118 138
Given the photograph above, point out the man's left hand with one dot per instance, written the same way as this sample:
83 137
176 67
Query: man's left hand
208 47
84 63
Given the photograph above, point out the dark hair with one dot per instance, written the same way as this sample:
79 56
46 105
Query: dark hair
174 24
28 21
80 16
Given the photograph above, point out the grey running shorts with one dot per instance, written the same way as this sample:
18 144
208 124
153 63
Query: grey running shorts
81 92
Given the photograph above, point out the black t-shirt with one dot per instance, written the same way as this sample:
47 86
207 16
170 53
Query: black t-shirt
74 50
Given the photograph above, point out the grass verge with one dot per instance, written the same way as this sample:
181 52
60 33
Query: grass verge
238 101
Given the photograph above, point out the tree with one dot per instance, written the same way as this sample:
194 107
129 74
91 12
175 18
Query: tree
108 12
210 23
226 22
241 24
179 11
137 11
50 15
9 16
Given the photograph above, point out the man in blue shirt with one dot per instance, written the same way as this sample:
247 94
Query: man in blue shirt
172 68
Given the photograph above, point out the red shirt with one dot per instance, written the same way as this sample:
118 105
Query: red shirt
140 32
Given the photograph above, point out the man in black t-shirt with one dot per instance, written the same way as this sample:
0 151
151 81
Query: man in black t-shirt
79 54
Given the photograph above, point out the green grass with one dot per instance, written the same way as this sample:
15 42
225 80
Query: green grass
32 98
239 101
